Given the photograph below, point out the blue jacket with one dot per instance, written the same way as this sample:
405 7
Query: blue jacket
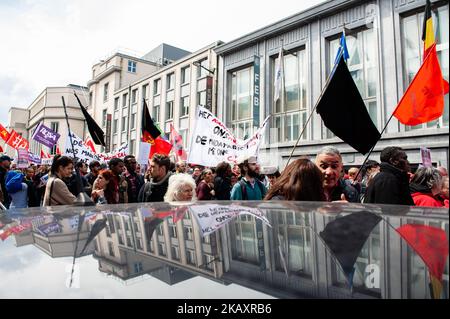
253 192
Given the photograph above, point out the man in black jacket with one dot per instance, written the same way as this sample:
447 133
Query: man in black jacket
156 188
134 180
391 184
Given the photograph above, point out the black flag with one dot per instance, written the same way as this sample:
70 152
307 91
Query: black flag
150 224
345 237
148 127
96 132
98 226
344 113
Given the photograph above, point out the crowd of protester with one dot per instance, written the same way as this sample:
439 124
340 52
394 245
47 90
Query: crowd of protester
320 179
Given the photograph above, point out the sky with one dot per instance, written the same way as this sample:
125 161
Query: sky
56 42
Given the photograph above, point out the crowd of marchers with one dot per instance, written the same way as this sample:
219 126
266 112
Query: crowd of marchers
121 180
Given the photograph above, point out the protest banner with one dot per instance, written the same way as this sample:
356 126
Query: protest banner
82 153
212 217
46 136
212 142
47 161
120 152
426 156
144 152
22 158
16 141
47 229
33 158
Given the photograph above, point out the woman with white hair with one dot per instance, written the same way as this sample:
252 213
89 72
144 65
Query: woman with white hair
181 189
425 186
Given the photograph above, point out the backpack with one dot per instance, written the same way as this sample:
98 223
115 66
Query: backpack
13 182
242 183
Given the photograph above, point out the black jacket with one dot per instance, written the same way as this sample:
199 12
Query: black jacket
389 186
222 188
154 192
344 187
133 196
6 199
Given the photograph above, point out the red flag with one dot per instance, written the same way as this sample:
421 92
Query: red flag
1 149
160 146
431 244
58 151
5 234
423 100
90 144
43 155
177 142
4 134
16 141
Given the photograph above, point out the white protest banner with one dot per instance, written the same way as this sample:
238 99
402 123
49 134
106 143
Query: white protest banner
144 152
212 142
82 153
426 157
47 161
212 217
120 152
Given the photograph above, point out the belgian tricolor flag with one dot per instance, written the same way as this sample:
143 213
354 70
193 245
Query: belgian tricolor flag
427 30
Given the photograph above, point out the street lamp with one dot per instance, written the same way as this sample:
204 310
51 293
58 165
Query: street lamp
197 63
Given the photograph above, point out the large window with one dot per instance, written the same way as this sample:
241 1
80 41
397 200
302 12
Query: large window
124 100
362 64
105 92
241 102
290 110
116 103
412 46
115 126
155 115
124 124
184 106
131 66
185 75
134 96
157 87
169 110
104 117
170 81
202 68
244 247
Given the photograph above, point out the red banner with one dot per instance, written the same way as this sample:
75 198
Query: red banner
16 141
4 134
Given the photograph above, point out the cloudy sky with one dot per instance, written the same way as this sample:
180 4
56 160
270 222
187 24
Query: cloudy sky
56 42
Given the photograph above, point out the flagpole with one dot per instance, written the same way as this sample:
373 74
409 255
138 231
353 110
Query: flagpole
373 147
312 111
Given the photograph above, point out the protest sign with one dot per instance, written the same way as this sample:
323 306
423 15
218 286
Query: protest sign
120 152
426 156
82 153
144 152
47 229
22 158
214 216
45 135
33 158
212 142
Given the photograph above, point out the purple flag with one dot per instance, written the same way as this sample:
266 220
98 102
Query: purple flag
45 135
33 158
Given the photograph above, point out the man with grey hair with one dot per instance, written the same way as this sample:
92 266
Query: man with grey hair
329 161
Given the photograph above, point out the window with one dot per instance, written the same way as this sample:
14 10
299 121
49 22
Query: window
188 233
245 246
190 257
132 122
104 117
156 112
184 106
144 91
157 87
138 267
170 81
202 69
132 148
362 64
124 123
169 110
134 96
124 100
116 103
131 66
184 135
201 98
111 249
241 97
412 46
161 249
115 122
175 253
290 116
185 75
173 231
105 92
208 262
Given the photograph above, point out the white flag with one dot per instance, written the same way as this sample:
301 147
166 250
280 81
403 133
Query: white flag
279 69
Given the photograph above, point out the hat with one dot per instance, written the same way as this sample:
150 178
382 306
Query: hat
269 170
249 159
5 158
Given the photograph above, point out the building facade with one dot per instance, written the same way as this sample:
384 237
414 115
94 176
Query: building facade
385 47
171 94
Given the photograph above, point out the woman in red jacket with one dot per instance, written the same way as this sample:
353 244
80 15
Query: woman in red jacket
425 187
